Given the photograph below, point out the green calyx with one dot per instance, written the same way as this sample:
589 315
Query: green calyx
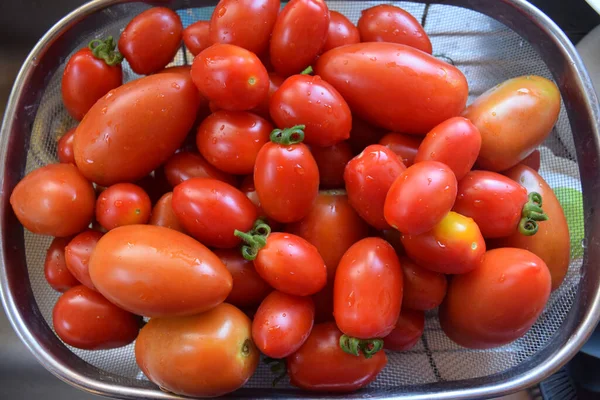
255 239
278 368
531 214
106 50
354 346
288 136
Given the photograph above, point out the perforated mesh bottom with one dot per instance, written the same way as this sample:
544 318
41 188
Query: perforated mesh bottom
487 53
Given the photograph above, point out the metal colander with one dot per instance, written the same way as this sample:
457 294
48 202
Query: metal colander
489 41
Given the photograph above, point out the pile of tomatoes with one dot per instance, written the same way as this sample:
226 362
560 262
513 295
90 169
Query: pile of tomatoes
307 189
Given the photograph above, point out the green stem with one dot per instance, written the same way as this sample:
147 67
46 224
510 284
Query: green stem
307 71
354 346
277 367
261 228
288 136
106 50
531 214
254 242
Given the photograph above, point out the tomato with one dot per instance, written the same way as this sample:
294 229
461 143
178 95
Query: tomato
187 165
78 253
310 101
498 302
196 37
368 178
244 23
420 197
65 147
363 134
82 318
551 242
163 214
249 289
151 40
89 75
423 289
420 90
231 140
340 32
332 162
323 300
247 187
262 109
405 146
298 36
513 118
454 246
117 140
205 355
54 200
367 292
392 236
56 272
388 23
407 332
156 272
321 365
282 324
231 77
123 204
533 160
332 226
455 142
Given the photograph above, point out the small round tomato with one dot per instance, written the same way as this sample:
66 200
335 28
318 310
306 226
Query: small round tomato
498 302
78 253
231 77
186 165
368 179
163 214
123 204
423 289
282 324
310 101
340 32
332 162
56 272
231 140
298 36
405 146
196 37
275 81
367 293
454 246
407 332
65 147
151 40
388 23
363 134
321 365
204 355
84 319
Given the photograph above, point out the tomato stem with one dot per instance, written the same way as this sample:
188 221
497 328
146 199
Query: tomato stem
355 346
531 214
288 136
307 71
105 50
255 240
277 367
261 228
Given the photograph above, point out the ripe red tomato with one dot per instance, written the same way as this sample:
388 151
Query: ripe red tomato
89 75
407 332
196 37
84 319
56 272
498 302
388 23
123 204
310 101
420 197
340 32
262 109
204 355
231 140
54 200
405 146
244 23
163 214
78 253
363 134
367 292
332 162
211 210
282 324
420 90
533 160
151 39
321 365
156 272
231 77
455 142
298 36
187 165
65 147
454 246
423 289
368 178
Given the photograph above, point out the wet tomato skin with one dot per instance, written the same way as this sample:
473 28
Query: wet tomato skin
340 32
56 272
78 253
407 332
163 214
65 147
196 37
123 204
186 165
423 289
405 146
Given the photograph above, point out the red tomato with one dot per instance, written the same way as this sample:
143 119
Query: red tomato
282 324
196 37
187 165
65 147
163 214
247 187
244 23
56 272
332 162
54 200
310 101
87 78
533 160
405 146
262 109
340 32
388 23
420 90
298 36
78 253
498 302
231 77
423 289
368 178
455 142
407 332
321 365
363 134
117 141
205 355
454 246
367 292
324 303
123 204
82 318
231 140
420 197
151 39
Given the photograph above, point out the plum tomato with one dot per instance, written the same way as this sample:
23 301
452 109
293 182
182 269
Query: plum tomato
123 204
78 253
196 37
65 147
163 214
423 289
405 146
407 332
186 165
247 187
332 162
56 272
340 32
